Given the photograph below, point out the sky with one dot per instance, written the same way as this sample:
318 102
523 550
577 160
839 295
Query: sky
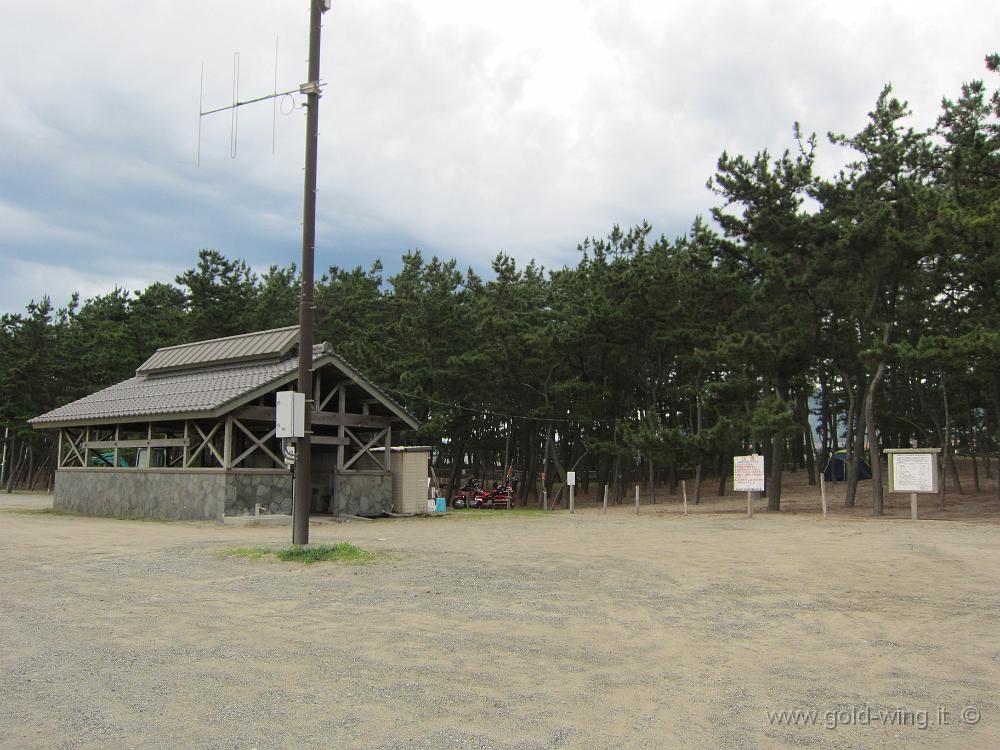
459 128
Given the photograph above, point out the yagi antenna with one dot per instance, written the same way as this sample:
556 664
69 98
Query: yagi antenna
233 109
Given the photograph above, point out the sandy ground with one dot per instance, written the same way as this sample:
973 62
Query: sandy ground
488 630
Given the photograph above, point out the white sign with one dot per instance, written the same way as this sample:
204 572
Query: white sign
290 414
748 473
913 472
571 478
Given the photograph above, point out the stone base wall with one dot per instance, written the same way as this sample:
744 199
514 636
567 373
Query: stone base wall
131 493
273 491
171 494
362 494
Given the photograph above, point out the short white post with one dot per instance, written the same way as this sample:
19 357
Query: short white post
605 498
637 499
545 499
749 505
914 510
822 493
684 492
572 508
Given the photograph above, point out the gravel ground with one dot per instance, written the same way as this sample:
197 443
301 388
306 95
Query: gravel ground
494 632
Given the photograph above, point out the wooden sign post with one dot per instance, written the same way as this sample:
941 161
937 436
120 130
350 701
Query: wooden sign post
571 481
684 491
748 476
913 470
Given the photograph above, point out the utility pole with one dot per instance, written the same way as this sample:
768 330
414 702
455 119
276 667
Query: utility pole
303 465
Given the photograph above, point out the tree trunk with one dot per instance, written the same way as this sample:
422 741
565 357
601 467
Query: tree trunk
16 468
945 438
777 468
996 407
807 434
457 460
874 451
856 445
855 442
954 474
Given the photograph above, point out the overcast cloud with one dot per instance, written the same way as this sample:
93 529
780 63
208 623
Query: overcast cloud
462 128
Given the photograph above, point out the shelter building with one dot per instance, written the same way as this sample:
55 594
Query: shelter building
192 435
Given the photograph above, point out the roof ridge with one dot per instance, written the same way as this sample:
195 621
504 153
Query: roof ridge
226 338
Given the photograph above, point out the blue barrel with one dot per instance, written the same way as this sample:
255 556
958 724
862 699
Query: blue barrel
442 505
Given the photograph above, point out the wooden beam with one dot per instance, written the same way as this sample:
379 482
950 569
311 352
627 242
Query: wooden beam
266 414
157 443
329 440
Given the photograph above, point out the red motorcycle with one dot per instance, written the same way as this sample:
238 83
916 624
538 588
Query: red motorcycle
501 497
470 496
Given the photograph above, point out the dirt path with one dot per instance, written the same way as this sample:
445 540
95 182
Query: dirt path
490 631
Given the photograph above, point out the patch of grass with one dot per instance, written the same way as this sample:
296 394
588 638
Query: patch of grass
254 553
341 552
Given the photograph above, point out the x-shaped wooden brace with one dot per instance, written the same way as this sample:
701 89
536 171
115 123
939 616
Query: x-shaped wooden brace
206 440
74 445
365 448
257 443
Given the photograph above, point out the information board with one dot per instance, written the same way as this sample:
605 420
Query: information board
913 472
748 473
570 478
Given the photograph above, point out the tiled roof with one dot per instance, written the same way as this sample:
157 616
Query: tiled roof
206 392
202 391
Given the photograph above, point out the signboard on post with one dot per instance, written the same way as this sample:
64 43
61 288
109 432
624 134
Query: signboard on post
748 473
290 414
913 470
571 478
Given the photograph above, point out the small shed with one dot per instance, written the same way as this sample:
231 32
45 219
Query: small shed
192 435
410 465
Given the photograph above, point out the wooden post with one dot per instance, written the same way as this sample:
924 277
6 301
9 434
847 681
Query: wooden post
749 505
914 510
59 455
637 499
545 496
572 508
684 492
117 437
342 429
605 498
822 493
227 445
